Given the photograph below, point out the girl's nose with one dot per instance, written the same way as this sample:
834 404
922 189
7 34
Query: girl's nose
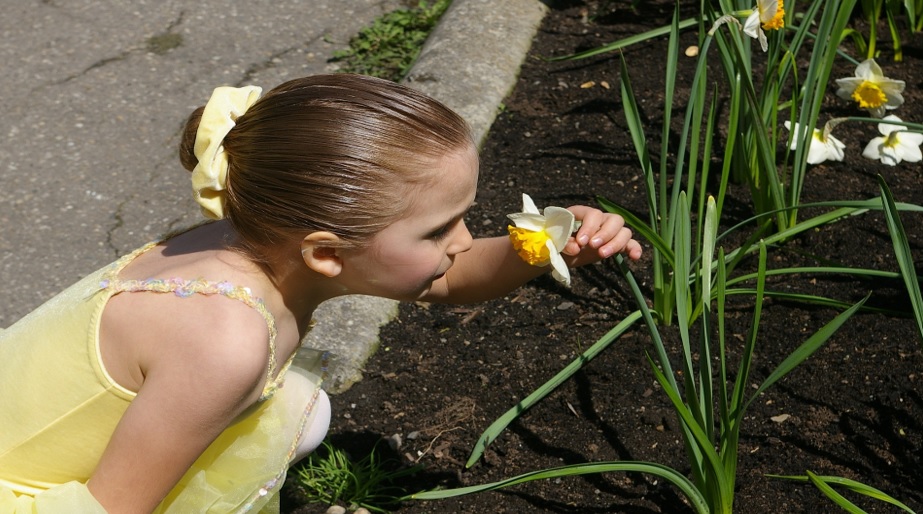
462 240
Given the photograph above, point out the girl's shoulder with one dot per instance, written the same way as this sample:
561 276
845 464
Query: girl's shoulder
198 337
205 314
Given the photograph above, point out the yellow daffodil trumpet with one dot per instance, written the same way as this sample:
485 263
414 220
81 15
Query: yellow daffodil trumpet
540 236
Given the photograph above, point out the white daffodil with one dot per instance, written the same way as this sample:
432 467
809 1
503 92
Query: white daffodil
767 15
539 237
873 91
895 145
823 146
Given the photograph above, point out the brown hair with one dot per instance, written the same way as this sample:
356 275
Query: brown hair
329 153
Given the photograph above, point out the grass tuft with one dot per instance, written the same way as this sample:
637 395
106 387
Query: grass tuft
329 476
388 48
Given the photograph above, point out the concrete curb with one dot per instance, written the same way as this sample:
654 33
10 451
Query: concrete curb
470 62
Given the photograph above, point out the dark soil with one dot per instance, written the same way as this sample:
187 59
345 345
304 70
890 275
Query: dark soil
444 373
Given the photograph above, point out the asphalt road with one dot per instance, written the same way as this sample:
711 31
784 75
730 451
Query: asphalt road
94 96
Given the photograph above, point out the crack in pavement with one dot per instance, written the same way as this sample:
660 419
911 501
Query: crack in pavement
159 43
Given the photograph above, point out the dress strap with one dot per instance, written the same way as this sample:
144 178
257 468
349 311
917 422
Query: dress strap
185 288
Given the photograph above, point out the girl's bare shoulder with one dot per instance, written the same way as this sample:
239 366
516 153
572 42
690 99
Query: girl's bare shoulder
202 316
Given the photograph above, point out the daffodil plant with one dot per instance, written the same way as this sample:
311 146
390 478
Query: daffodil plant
753 136
692 274
871 90
871 10
540 236
767 15
895 144
711 407
823 146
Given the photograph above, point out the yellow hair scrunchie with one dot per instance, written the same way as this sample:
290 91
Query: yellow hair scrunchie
210 176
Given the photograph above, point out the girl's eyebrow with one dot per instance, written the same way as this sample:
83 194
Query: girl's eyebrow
455 218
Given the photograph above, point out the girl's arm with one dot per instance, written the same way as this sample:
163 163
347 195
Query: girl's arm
492 267
202 367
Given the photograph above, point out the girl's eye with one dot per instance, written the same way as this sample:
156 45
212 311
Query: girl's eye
440 234
444 232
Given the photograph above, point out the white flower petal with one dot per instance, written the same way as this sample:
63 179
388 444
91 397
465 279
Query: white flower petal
752 25
767 9
835 149
559 224
868 69
795 136
873 148
817 152
892 89
887 128
528 206
908 151
889 155
528 221
559 267
912 138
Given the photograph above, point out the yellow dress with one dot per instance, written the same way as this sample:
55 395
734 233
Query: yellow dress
59 408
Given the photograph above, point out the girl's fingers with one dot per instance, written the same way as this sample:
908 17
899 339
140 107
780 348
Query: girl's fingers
633 250
603 232
616 244
611 228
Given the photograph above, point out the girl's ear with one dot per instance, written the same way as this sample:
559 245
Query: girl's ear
320 253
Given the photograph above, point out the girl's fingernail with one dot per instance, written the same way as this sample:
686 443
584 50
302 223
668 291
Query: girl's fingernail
597 242
583 239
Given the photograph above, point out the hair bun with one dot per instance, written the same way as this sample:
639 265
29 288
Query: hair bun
187 144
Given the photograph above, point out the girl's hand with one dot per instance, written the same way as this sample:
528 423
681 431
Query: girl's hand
601 235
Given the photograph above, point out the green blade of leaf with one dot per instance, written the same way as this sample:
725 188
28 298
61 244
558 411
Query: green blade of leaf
674 477
643 229
853 485
837 498
807 348
902 253
628 41
490 435
712 462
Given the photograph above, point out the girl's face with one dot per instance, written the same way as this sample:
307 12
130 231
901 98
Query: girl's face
403 260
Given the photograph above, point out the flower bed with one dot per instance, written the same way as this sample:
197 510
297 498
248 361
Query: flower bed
853 409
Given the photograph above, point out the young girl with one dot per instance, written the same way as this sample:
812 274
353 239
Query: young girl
165 381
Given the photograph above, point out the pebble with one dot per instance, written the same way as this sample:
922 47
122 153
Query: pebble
336 509
563 306
362 510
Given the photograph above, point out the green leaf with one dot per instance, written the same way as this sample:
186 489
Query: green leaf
490 435
641 228
628 41
807 348
837 498
852 485
902 253
673 476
